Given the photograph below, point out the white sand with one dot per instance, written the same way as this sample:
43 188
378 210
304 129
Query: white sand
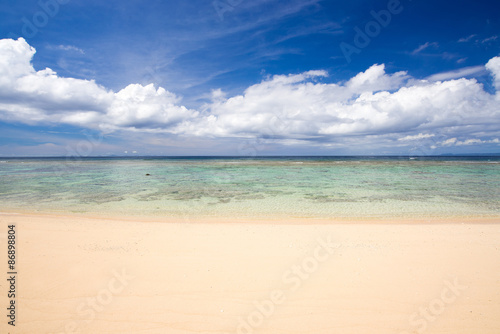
83 275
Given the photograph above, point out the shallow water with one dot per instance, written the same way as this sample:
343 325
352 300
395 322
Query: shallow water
318 187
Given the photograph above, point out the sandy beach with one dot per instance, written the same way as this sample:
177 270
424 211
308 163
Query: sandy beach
89 275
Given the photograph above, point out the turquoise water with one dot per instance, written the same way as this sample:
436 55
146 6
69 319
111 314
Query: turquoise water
324 187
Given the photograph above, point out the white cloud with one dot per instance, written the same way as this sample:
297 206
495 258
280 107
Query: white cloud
417 137
470 141
423 47
138 106
287 109
68 48
31 96
483 41
494 67
489 39
466 39
375 79
456 74
449 142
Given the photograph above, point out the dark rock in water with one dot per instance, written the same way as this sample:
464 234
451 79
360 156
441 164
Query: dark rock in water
148 174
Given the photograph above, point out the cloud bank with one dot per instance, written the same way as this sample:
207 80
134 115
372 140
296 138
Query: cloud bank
35 97
288 108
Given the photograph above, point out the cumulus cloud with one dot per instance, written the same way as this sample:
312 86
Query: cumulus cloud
32 97
371 103
145 107
295 107
494 67
290 109
375 79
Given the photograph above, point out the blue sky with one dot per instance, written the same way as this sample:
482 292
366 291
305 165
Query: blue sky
239 77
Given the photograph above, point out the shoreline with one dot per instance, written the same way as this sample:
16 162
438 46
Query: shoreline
275 220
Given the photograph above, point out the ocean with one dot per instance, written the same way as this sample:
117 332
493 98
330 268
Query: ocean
256 187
